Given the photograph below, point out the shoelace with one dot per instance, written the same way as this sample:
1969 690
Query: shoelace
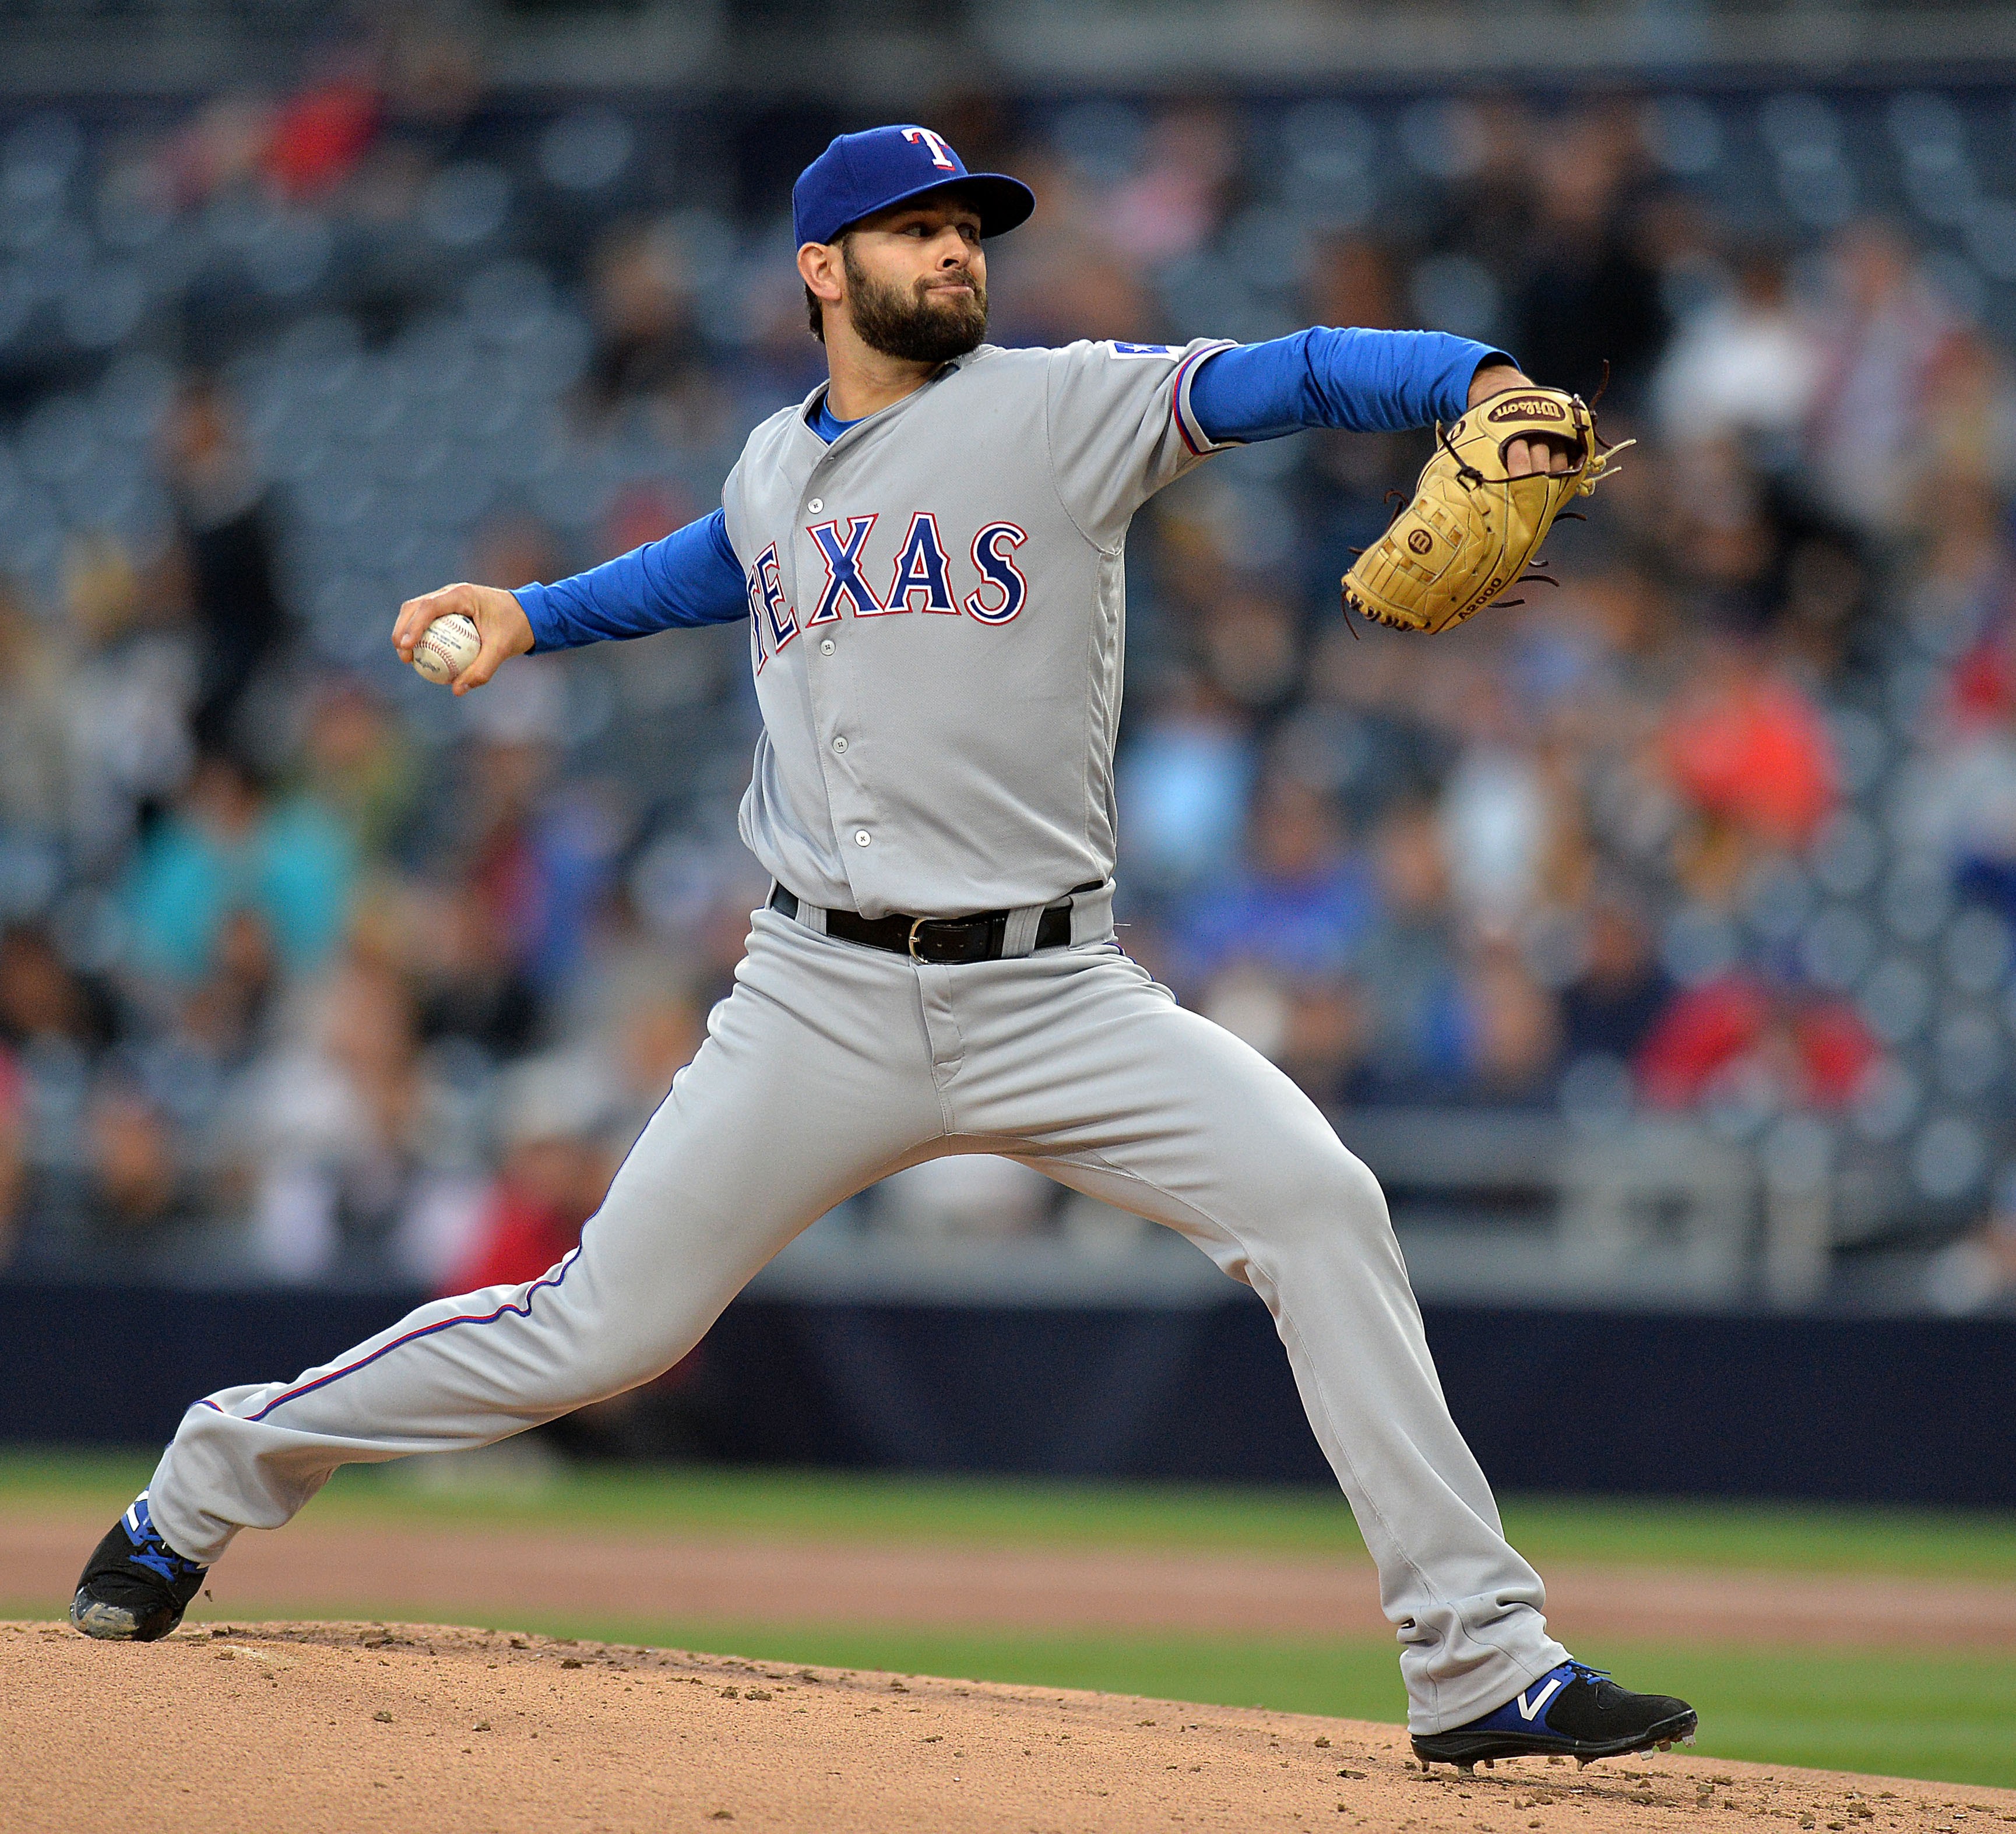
152 1552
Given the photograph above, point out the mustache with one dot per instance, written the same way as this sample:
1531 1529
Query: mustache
933 283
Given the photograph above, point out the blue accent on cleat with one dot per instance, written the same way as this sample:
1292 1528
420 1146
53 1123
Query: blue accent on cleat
1527 1710
135 1587
149 1550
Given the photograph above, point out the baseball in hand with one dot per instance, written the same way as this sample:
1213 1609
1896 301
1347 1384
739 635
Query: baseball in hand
447 647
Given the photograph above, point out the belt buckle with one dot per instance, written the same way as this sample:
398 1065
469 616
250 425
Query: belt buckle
917 925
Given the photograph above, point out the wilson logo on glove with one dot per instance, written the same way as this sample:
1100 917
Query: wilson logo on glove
1528 407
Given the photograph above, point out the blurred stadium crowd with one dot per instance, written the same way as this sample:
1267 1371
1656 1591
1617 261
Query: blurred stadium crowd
312 973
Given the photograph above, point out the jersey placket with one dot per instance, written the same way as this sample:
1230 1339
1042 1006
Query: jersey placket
851 805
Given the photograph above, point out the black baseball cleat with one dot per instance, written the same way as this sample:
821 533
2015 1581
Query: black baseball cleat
1572 1711
135 1587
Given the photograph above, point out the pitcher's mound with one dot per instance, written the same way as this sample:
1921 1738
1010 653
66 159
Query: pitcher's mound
349 1727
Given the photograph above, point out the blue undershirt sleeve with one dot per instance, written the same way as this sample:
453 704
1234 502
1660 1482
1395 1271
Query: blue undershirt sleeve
1361 381
690 576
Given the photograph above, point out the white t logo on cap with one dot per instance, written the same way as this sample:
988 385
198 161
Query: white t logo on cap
935 141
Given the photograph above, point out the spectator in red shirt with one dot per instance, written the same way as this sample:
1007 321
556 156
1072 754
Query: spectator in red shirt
555 1114
322 134
1752 754
1814 1051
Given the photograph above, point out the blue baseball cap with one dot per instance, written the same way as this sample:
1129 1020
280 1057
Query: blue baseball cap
860 173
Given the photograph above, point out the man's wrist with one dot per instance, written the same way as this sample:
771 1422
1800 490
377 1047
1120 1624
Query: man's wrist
531 602
1493 376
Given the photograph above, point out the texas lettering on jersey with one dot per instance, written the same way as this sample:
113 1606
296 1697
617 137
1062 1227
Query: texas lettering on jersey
919 577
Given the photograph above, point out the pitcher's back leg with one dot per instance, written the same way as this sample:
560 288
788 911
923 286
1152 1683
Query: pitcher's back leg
812 1082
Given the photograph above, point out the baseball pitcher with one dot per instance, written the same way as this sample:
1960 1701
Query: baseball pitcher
928 554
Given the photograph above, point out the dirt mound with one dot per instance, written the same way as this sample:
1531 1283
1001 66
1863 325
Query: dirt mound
353 1727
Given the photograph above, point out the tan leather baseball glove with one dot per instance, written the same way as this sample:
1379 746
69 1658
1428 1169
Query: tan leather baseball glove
1472 529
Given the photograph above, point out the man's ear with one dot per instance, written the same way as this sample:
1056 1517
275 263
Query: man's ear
820 266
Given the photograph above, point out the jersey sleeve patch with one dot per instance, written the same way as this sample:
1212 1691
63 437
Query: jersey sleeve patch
1114 348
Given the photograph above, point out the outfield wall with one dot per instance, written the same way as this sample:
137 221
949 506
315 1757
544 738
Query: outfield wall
1876 1409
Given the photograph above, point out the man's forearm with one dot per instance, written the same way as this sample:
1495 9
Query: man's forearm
691 576
1360 381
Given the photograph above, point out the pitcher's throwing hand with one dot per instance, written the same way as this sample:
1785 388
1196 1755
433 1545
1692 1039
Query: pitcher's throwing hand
499 619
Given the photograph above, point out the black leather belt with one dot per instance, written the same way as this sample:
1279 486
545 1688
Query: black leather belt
943 939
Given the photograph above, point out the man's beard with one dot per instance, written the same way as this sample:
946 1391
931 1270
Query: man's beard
914 326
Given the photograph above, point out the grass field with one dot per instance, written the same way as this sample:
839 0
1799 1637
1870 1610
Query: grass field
1911 1712
871 1506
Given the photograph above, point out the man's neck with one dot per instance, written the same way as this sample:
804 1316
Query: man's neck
865 381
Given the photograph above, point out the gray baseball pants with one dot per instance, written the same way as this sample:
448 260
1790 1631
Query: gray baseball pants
832 1066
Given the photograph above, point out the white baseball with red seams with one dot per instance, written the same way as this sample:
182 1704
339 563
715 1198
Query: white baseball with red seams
447 647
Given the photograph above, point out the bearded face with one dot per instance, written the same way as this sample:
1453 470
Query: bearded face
922 323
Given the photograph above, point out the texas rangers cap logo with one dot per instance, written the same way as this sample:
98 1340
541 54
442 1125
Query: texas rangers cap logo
942 156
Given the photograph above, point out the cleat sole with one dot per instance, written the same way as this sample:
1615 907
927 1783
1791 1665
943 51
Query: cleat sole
1464 1749
113 1623
120 1623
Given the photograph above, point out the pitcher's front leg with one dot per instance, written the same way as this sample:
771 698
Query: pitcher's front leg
1128 1096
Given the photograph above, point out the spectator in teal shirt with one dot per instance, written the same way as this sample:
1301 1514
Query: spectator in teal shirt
228 848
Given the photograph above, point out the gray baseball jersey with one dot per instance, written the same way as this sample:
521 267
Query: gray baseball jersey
937 608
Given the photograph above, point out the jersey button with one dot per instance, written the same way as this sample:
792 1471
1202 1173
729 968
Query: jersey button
826 646
840 744
816 505
862 837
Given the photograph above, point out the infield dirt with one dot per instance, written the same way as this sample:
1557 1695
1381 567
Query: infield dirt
351 1727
